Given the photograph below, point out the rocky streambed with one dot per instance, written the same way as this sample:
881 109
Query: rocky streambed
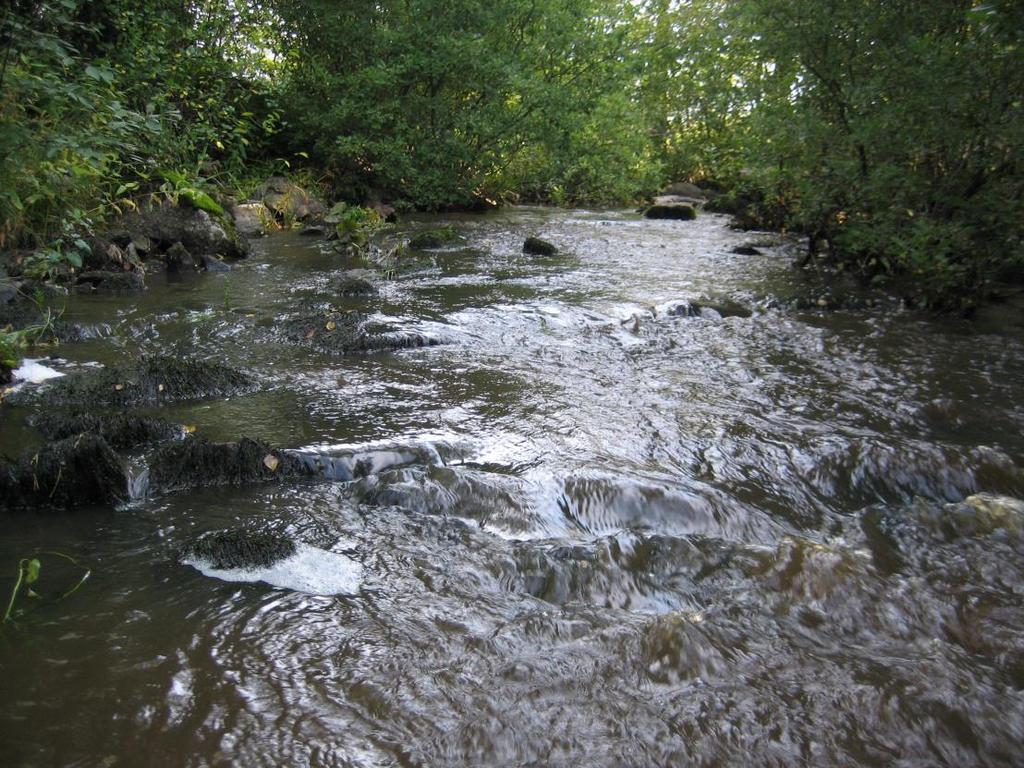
645 497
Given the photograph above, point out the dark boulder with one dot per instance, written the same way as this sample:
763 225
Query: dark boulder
110 282
674 208
198 232
354 283
195 462
433 238
80 471
710 309
178 259
121 431
214 264
745 250
537 247
150 381
239 548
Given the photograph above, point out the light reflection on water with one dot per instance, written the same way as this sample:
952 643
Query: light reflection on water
616 536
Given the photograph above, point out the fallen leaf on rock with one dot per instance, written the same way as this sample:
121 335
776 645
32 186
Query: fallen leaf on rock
271 462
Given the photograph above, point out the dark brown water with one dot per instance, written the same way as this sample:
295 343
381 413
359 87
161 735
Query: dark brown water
597 533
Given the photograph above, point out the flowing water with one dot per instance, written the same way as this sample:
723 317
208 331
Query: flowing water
591 528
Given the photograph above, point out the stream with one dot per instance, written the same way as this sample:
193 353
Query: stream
593 526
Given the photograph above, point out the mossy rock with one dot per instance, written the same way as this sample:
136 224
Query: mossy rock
151 381
122 431
195 462
239 548
434 238
537 247
354 283
672 211
80 471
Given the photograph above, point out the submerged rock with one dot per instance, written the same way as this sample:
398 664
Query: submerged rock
354 283
196 462
710 309
537 247
980 515
120 430
745 250
670 207
349 332
239 548
77 472
150 381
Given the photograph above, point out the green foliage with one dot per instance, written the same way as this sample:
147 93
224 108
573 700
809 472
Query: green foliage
354 224
893 131
95 96
433 104
180 188
29 571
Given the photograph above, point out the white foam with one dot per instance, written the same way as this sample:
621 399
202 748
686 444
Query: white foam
311 570
31 372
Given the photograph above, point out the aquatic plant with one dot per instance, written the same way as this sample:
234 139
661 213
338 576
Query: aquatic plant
29 569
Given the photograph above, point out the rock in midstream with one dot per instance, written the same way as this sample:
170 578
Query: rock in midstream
151 381
121 431
433 238
239 548
347 333
672 207
537 247
80 471
196 462
354 282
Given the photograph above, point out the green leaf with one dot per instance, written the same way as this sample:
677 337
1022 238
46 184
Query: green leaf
199 199
31 568
100 74
74 259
